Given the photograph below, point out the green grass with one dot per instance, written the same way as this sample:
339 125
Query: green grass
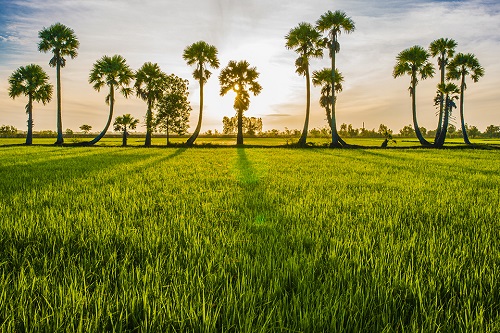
249 240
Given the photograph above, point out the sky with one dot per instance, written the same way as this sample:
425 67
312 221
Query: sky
159 30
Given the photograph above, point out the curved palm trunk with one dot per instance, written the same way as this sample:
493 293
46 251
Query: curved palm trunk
327 109
60 139
337 142
303 137
124 138
29 135
464 130
441 107
414 111
239 137
196 132
110 117
444 129
149 121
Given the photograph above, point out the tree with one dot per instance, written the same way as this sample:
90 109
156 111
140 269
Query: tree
251 125
229 125
383 129
323 78
242 79
7 131
473 131
448 92
307 42
62 42
333 24
116 74
444 49
122 122
414 61
86 128
492 131
173 107
69 132
407 131
149 85
202 55
33 82
461 66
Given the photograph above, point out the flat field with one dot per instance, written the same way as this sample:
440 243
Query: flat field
99 239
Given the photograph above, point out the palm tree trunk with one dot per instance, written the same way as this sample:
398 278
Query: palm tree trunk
124 138
29 135
420 137
441 106
60 139
335 135
193 137
444 129
239 137
110 117
303 137
464 130
149 120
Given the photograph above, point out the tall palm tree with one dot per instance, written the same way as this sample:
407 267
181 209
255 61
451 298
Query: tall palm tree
305 41
116 74
323 78
446 95
122 122
241 78
444 49
31 81
461 66
62 42
149 86
202 55
414 61
334 23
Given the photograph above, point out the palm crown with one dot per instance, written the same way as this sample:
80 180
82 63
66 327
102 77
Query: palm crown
238 76
113 72
30 80
149 80
61 41
334 23
307 42
444 48
200 54
465 64
413 61
126 121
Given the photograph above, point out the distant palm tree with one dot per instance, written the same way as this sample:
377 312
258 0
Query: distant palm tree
31 81
447 94
61 41
414 61
323 78
333 23
149 85
444 49
461 66
116 74
241 78
121 124
305 41
202 55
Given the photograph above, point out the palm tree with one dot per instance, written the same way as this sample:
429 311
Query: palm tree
149 84
62 42
323 78
241 78
444 49
116 74
414 61
121 124
333 24
31 81
446 95
305 41
202 55
461 66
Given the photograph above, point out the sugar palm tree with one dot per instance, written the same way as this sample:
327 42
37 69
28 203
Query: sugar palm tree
241 78
116 74
33 82
62 42
202 55
333 24
414 62
444 49
447 93
305 41
460 67
323 78
149 85
122 122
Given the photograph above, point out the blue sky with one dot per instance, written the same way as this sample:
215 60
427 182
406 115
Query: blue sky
158 31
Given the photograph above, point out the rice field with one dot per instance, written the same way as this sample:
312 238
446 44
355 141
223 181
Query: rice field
231 239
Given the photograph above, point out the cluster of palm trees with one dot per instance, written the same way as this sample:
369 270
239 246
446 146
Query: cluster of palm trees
157 88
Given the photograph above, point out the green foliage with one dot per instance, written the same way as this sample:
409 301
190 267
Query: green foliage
61 41
85 128
251 125
7 131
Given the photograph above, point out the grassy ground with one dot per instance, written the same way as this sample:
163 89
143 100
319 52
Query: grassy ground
249 240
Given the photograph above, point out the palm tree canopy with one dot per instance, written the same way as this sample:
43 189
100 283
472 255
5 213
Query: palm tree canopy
149 81
201 54
241 78
413 61
122 122
61 41
465 64
444 48
334 23
323 78
449 92
307 42
113 72
31 80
